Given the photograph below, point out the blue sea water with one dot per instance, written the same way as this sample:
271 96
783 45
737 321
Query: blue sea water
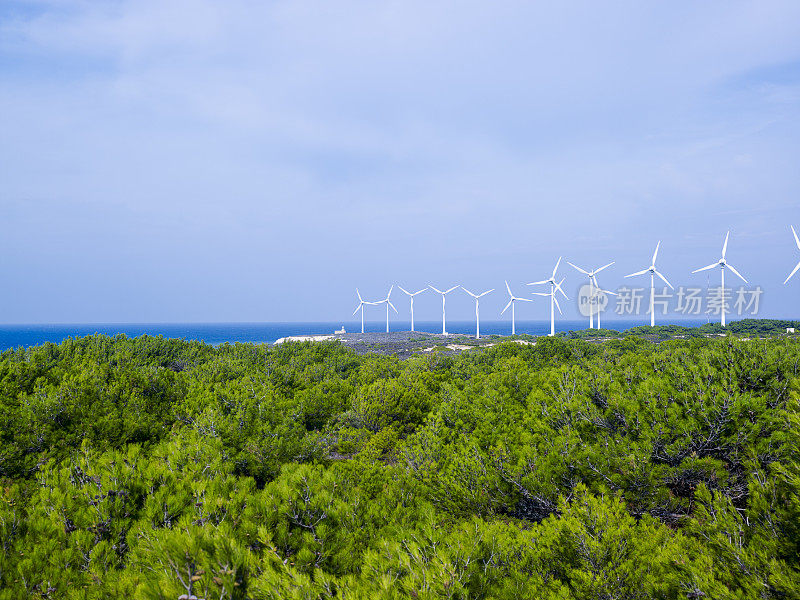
13 336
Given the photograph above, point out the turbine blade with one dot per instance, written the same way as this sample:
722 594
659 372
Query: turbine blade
455 287
390 292
540 293
664 279
716 264
392 305
557 306
507 305
435 290
419 292
735 272
596 271
656 252
509 289
470 293
360 304
577 268
539 282
486 292
524 299
405 291
558 262
642 272
359 295
607 292
558 287
796 239
792 273
725 245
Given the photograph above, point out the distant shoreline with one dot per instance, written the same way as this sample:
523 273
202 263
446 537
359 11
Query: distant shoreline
15 336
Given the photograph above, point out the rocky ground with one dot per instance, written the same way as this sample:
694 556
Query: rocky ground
408 343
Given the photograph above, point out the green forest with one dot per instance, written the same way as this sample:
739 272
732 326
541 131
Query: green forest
152 468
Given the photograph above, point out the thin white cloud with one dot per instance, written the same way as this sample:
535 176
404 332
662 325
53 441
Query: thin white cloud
526 124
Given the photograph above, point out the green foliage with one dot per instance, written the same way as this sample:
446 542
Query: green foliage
151 468
744 327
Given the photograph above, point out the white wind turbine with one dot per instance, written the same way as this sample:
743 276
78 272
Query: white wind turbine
722 264
410 295
477 310
361 304
444 296
388 304
797 241
511 303
592 286
653 272
554 286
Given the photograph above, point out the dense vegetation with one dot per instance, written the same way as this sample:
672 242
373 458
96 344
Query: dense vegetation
152 468
745 327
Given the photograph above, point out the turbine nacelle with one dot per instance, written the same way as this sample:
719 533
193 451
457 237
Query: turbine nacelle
552 293
476 296
651 269
412 294
513 299
722 264
593 273
362 302
445 292
595 287
444 297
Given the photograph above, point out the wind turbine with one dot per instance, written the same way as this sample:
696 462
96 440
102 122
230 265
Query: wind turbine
512 305
361 304
797 241
722 264
410 295
388 304
444 296
592 285
477 310
554 285
653 272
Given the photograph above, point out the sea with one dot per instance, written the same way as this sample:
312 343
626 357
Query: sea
14 336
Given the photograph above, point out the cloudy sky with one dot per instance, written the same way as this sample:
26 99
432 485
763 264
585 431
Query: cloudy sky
176 160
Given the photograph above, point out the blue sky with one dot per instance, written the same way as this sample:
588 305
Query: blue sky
256 161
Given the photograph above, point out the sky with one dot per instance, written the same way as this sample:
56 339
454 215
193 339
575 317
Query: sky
203 161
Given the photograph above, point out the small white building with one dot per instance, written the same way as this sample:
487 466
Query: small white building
340 331
790 330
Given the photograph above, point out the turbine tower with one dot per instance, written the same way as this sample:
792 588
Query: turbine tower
412 302
722 264
653 272
361 304
598 292
388 304
444 296
477 310
511 303
592 275
554 285
797 241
